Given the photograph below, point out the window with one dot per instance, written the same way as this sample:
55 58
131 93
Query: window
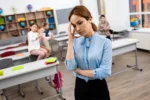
140 9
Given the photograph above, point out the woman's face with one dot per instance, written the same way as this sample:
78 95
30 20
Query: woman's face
102 19
81 25
34 28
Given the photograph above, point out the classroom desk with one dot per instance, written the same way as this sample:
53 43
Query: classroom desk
18 49
18 56
61 40
123 46
12 45
31 71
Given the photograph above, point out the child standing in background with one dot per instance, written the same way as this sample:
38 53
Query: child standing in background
45 39
34 42
47 30
47 33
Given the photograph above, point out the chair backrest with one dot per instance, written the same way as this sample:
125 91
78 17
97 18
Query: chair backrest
22 44
111 31
8 53
5 63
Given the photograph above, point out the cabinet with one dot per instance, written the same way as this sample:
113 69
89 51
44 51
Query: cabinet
143 35
19 24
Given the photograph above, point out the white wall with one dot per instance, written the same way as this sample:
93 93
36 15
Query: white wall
92 6
20 6
117 13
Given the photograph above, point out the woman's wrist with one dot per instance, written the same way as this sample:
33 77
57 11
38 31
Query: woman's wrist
70 41
77 70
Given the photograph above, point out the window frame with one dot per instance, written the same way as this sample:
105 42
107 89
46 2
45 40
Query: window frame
140 13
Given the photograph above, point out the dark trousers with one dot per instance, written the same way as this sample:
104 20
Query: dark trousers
91 90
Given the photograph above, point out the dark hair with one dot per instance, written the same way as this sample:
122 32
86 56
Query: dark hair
33 24
102 16
83 12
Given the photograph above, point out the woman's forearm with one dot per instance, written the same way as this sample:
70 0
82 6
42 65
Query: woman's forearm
70 53
87 73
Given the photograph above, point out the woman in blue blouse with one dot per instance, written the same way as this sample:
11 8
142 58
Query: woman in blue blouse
89 57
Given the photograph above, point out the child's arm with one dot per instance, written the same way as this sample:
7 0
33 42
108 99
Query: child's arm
47 38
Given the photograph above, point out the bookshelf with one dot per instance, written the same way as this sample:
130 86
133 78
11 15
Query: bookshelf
19 24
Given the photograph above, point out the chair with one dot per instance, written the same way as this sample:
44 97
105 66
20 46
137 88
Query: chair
7 53
6 63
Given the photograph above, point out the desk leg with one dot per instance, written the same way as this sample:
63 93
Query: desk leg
5 97
37 86
20 91
60 90
51 82
136 63
1 92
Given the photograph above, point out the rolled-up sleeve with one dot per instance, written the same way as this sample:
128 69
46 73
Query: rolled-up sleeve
104 69
71 64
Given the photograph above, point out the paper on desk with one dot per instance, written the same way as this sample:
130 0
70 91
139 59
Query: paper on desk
20 55
17 67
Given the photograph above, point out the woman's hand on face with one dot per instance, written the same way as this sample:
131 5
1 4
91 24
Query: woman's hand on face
70 33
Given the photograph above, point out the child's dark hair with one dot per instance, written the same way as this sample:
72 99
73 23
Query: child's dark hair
102 16
33 24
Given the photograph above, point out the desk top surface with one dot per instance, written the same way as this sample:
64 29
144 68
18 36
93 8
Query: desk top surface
3 47
63 37
123 42
28 67
15 49
142 30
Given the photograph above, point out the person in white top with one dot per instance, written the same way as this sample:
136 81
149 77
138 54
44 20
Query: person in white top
34 38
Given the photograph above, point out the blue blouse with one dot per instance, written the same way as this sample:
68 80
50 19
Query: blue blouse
93 53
